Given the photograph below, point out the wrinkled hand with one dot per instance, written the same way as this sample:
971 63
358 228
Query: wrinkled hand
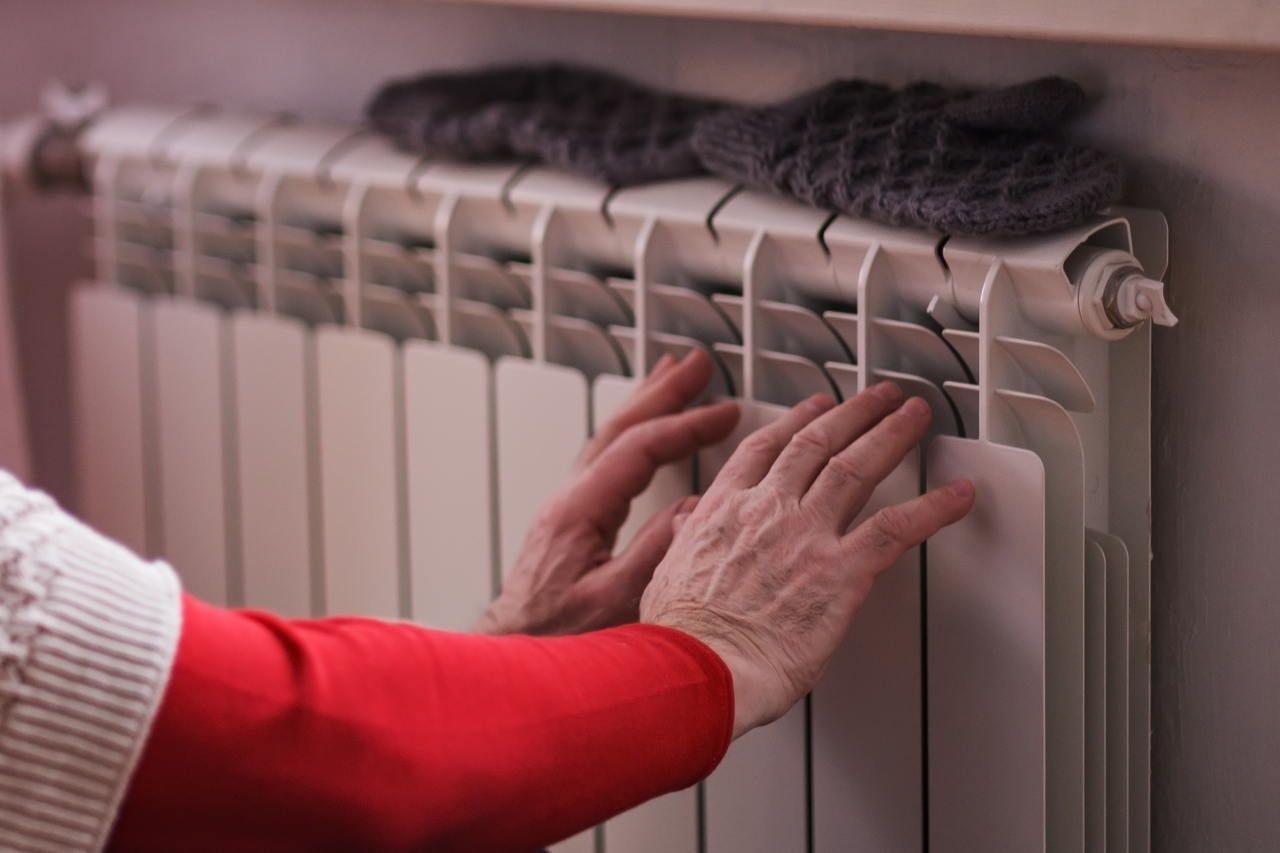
566 579
763 570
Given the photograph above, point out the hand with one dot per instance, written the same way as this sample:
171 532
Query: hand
763 570
566 579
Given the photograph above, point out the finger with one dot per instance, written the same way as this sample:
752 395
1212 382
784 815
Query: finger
880 540
684 509
669 390
810 449
661 366
616 586
845 485
678 523
602 492
757 452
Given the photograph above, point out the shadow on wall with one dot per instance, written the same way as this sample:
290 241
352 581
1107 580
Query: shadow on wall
49 240
1213 595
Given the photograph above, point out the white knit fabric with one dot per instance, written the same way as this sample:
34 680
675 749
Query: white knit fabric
88 633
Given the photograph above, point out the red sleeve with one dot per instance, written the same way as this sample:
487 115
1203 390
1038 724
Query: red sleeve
356 735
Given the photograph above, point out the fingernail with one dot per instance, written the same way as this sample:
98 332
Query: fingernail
888 392
916 407
661 366
961 488
820 402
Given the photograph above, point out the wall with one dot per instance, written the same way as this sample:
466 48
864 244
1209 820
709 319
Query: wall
1197 129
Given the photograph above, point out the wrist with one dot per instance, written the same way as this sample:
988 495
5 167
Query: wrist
746 695
751 695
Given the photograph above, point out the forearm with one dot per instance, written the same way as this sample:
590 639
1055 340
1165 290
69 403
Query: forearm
351 734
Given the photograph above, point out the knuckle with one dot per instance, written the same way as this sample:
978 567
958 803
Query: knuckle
656 424
641 430
641 440
890 529
848 472
814 440
638 438
763 514
763 507
760 442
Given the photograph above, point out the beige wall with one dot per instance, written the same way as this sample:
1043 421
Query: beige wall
1201 135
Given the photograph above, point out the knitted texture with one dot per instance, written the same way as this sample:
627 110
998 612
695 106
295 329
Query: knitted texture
88 633
584 121
952 160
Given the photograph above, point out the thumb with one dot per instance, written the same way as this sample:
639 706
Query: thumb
622 580
683 510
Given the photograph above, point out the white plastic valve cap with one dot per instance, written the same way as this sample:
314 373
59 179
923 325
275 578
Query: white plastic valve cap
68 107
1141 298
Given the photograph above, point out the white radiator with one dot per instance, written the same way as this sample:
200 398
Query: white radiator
322 376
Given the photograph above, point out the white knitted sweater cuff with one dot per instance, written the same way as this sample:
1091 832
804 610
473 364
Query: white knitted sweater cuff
88 633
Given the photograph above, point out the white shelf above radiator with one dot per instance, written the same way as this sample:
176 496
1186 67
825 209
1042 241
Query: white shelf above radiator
1235 24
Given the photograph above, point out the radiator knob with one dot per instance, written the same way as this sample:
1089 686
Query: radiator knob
1140 298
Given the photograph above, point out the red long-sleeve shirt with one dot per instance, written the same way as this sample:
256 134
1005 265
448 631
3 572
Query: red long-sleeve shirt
356 735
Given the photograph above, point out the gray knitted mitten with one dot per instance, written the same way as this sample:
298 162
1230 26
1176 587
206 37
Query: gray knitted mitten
954 161
588 122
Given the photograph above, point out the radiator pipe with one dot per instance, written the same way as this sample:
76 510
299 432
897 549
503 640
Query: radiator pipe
37 152
15 446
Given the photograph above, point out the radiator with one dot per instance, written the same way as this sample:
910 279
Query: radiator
324 377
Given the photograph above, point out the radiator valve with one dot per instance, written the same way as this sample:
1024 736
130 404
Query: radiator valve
1115 296
43 150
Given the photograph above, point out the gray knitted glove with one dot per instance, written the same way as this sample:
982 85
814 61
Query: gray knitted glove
588 122
954 161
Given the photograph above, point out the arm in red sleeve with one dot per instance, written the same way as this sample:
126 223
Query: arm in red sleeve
356 735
